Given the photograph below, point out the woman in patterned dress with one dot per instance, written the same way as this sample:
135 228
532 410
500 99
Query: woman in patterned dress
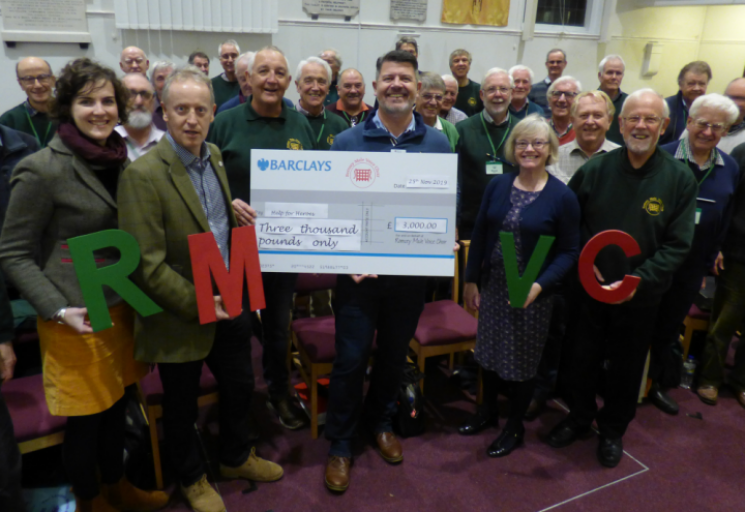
529 204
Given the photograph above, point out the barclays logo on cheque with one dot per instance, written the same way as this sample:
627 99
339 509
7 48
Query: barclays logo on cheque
296 164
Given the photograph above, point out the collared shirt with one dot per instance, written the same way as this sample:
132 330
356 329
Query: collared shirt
438 124
300 109
684 153
455 116
490 120
379 124
734 137
31 110
210 194
353 120
134 151
571 158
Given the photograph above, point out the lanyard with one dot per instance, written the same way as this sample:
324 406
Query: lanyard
494 151
711 167
42 144
322 127
361 114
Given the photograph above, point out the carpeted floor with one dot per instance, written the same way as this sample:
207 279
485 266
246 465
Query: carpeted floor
671 464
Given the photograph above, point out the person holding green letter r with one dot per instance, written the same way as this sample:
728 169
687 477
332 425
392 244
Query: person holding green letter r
525 240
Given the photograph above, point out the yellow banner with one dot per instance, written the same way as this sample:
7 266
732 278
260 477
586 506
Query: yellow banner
476 12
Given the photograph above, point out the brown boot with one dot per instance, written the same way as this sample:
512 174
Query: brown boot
128 498
97 504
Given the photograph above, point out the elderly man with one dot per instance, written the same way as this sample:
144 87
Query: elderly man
241 72
591 112
429 104
35 77
610 74
693 80
176 190
646 193
736 134
200 60
481 147
449 112
312 83
226 84
333 59
351 104
469 92
133 60
521 106
265 122
162 69
139 132
556 61
717 175
561 94
390 305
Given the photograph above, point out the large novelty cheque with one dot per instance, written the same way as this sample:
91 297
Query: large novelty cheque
344 212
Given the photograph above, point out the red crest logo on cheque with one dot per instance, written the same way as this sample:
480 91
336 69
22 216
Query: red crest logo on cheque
363 172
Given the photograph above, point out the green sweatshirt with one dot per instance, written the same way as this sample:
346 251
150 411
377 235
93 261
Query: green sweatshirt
474 151
325 128
43 129
224 90
239 130
655 204
469 100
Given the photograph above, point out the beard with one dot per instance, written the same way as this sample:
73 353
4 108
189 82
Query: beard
643 146
139 119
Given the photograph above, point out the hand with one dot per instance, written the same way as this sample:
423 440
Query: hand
598 275
471 296
244 213
76 318
703 283
456 247
718 264
7 361
535 290
614 286
220 312
358 278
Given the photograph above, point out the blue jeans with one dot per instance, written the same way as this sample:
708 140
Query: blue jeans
392 305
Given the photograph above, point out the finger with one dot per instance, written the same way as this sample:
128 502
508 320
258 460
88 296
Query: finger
598 275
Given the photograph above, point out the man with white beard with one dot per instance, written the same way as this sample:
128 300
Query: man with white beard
139 132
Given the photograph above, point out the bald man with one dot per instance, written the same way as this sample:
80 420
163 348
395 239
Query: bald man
37 80
133 60
736 134
351 105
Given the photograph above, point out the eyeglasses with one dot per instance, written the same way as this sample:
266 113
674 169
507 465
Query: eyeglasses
648 121
138 60
501 90
559 94
28 80
537 144
430 97
146 95
716 128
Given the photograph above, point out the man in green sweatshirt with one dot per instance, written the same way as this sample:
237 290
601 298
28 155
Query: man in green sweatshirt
37 80
646 193
226 84
312 80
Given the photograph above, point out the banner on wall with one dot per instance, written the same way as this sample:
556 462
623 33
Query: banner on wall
476 12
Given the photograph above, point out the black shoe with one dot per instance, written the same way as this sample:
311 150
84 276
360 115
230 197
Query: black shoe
535 409
505 443
610 452
662 400
565 433
478 422
290 416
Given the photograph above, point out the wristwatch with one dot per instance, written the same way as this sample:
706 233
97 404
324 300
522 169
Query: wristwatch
60 316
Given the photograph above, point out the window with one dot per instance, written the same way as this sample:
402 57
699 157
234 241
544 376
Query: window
571 13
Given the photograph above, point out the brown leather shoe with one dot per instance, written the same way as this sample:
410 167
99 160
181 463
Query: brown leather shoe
741 397
708 394
337 473
389 447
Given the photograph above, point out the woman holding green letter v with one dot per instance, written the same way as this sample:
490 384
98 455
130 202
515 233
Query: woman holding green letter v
525 240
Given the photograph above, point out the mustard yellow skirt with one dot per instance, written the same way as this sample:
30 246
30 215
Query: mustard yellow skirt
87 373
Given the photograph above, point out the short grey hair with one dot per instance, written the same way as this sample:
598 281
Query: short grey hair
157 66
432 81
520 67
245 57
533 125
270 48
229 41
407 40
449 78
643 92
554 50
607 59
497 71
562 80
717 102
185 74
337 58
313 60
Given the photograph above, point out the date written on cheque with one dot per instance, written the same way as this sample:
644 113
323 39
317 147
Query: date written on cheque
427 182
420 225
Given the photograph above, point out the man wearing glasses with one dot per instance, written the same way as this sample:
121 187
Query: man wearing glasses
133 60
556 61
37 80
560 95
736 133
645 192
139 132
226 84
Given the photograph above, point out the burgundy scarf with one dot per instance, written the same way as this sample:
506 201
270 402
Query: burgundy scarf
113 153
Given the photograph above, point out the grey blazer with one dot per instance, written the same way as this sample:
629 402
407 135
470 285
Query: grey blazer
55 196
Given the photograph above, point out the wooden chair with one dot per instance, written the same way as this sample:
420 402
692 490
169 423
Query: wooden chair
696 320
151 391
444 328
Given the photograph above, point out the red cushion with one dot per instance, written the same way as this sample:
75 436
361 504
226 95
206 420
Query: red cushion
444 322
28 408
152 388
307 283
317 337
695 312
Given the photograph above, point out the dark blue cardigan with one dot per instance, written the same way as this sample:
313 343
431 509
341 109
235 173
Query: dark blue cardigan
554 213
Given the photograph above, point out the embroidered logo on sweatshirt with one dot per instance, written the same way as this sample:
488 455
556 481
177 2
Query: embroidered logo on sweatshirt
654 206
294 144
472 101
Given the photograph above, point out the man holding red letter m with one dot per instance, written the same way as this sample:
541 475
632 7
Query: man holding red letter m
644 192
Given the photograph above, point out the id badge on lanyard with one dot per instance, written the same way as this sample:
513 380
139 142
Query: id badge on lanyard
494 168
